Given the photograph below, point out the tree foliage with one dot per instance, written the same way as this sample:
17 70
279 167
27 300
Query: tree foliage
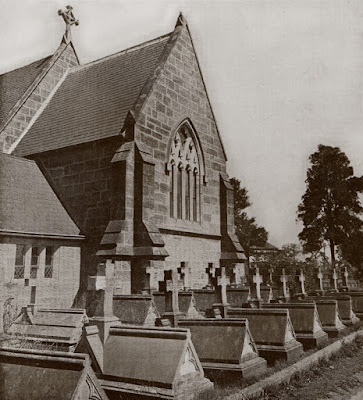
330 207
248 232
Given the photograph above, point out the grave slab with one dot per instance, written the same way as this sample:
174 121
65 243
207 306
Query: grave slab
204 299
272 331
135 309
140 363
346 312
45 375
329 315
306 322
238 297
225 348
187 304
60 329
357 302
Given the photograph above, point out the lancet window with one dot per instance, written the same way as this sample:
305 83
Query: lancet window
184 166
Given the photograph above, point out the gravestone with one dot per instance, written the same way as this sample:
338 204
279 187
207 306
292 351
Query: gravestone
187 304
306 322
329 316
184 275
45 375
59 329
135 309
301 282
204 299
151 363
346 312
103 284
211 274
335 281
256 299
225 348
172 287
221 292
345 280
320 276
272 332
238 297
357 302
283 289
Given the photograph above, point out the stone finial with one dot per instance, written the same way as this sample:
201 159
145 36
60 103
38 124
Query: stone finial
181 21
70 20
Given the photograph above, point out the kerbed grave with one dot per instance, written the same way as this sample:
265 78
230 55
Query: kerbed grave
45 375
306 322
272 332
225 348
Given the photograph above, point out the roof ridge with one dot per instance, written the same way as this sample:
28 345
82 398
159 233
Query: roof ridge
122 52
43 59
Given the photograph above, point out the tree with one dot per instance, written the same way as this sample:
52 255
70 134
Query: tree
248 232
330 207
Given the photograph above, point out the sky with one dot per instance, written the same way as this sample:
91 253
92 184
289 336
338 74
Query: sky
283 76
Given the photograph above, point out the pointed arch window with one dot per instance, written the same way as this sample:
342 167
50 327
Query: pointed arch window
186 169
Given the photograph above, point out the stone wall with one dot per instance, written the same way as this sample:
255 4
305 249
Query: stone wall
179 93
63 59
58 291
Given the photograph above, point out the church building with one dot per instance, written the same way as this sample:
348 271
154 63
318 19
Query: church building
130 146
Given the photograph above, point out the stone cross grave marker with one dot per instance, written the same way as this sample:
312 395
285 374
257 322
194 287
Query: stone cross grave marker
335 280
320 278
184 275
345 278
283 280
236 276
222 286
70 20
172 288
302 281
211 272
151 278
257 280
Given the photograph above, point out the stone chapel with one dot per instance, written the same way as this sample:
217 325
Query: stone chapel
130 146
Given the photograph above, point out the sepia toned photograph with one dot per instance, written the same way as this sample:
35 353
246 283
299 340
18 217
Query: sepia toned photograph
181 199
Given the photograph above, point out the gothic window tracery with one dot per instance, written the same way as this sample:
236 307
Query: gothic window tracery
184 167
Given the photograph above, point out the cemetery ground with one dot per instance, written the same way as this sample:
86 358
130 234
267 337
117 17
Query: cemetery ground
336 377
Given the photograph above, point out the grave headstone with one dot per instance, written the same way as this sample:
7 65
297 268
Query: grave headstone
256 299
184 275
357 303
103 284
329 315
47 375
238 297
320 276
225 348
346 312
306 322
204 299
211 274
302 279
172 288
135 309
345 279
272 331
187 304
283 289
335 280
153 363
221 291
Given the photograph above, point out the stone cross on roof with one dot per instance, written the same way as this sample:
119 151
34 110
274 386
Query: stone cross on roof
70 20
172 288
257 280
302 281
335 280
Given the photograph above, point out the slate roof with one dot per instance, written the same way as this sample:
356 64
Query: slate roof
28 203
14 84
94 99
